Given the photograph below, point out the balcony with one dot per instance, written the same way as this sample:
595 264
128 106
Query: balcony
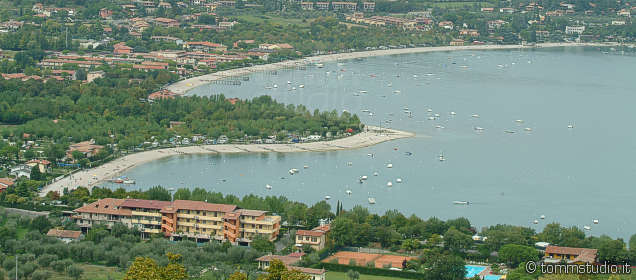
147 214
167 228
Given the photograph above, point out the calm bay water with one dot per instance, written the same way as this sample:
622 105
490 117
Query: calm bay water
571 176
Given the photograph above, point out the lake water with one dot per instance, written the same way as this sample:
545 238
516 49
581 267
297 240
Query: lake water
570 175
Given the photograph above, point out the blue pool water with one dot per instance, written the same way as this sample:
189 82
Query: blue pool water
492 277
472 270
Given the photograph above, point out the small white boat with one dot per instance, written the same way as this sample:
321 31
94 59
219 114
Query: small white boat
542 217
269 187
371 200
301 86
527 129
389 184
475 116
390 165
535 222
429 110
289 82
364 177
439 126
320 65
327 197
275 86
306 166
398 180
478 128
519 121
571 126
453 113
509 131
349 163
431 118
595 221
293 171
587 228
396 91
371 114
129 181
349 192
375 174
461 202
436 115
293 88
442 158
363 91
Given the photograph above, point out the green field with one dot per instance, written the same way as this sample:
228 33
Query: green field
343 276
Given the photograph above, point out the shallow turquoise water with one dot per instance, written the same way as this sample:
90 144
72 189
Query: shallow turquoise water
472 270
571 176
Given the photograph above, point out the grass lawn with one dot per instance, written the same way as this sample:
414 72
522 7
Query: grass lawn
331 275
91 272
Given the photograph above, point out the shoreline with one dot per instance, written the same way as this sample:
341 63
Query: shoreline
91 177
182 87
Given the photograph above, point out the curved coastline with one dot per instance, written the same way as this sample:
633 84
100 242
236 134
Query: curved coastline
91 177
183 86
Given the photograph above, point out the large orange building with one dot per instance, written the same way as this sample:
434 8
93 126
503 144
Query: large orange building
198 220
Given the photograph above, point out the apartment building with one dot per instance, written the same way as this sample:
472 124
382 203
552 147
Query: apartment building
316 238
180 219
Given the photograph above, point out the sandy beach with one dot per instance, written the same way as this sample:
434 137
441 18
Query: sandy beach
182 87
91 177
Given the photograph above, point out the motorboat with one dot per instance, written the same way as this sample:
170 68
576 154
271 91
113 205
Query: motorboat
129 181
461 202
475 116
268 186
453 113
371 200
527 129
595 221
587 228
327 197
349 192
364 177
542 217
301 86
398 180
390 165
535 222
389 184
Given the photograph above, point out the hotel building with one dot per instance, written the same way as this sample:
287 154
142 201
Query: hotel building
182 218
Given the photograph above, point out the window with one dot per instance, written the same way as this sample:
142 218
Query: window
314 239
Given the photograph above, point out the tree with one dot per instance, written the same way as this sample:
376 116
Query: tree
455 240
36 174
145 268
342 231
237 275
445 267
74 271
514 254
353 275
278 271
41 224
261 244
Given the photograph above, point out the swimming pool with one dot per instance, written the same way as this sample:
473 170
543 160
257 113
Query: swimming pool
492 277
472 270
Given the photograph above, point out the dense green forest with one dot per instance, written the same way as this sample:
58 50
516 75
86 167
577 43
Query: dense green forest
110 111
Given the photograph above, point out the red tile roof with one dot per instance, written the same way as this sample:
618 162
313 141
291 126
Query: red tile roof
6 182
109 206
303 232
143 203
60 233
203 206
581 254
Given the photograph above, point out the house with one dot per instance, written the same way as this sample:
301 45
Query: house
204 46
166 22
457 42
322 6
344 6
65 235
88 148
574 30
275 46
488 10
618 22
5 183
42 164
495 24
307 6
121 48
556 254
161 94
624 13
21 170
227 24
445 24
91 76
105 13
165 5
316 238
507 10
368 6
288 260
469 32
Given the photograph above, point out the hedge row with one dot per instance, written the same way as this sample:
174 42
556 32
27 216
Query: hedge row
373 271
